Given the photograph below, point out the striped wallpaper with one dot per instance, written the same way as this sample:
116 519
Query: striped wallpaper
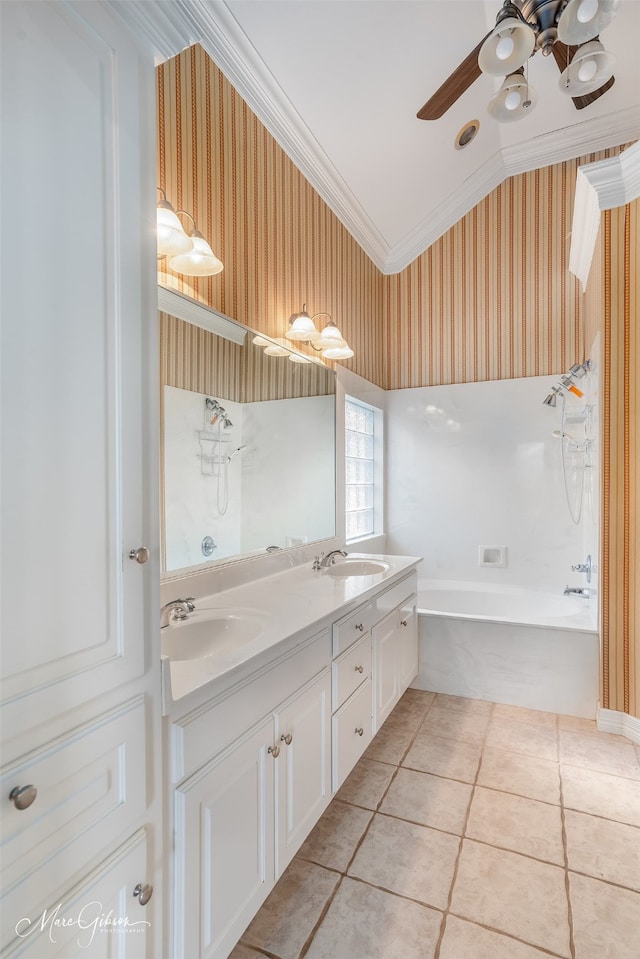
617 297
491 299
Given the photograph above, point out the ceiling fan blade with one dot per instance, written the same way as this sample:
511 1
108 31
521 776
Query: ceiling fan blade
453 87
563 55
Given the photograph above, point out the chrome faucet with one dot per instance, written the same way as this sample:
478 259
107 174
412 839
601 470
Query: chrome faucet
177 610
325 561
583 591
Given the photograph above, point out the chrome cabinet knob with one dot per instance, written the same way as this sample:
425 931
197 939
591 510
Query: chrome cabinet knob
287 739
140 555
143 892
274 751
360 626
359 669
359 731
403 622
23 796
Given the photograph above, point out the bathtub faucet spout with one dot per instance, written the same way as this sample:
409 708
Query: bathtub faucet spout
581 591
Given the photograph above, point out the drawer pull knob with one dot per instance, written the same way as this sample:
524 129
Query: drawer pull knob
359 669
140 555
286 739
274 750
359 731
143 892
360 626
403 622
23 796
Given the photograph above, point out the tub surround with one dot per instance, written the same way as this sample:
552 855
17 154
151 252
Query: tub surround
289 603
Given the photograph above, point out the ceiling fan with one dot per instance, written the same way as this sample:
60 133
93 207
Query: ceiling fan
567 29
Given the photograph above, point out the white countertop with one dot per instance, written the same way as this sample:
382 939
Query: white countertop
289 603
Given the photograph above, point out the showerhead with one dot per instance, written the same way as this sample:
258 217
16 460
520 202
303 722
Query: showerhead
226 422
551 399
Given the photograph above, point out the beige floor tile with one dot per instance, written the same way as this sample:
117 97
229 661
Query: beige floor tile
600 794
412 861
367 923
303 891
577 724
513 894
455 724
444 757
606 753
517 823
604 849
245 952
470 707
528 738
466 940
520 774
406 717
528 717
335 836
606 919
389 744
366 784
428 800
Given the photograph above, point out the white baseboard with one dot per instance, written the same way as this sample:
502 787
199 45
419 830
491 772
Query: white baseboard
612 721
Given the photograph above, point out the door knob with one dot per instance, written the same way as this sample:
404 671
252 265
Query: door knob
141 555
287 739
274 750
23 796
143 892
359 731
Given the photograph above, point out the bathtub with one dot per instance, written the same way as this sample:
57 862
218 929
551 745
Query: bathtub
508 644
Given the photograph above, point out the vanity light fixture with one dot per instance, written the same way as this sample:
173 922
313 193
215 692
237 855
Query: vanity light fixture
190 253
328 341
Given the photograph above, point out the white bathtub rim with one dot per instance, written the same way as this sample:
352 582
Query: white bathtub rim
580 621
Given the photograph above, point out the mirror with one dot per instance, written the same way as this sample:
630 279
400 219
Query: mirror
247 440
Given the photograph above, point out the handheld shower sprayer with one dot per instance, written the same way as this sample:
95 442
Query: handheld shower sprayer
566 383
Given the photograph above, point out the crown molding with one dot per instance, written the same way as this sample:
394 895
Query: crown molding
171 27
600 186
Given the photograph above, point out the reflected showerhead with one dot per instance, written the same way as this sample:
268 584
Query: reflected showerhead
226 422
551 399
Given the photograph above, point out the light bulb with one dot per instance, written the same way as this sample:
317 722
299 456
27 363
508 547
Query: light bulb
512 100
587 70
587 10
504 47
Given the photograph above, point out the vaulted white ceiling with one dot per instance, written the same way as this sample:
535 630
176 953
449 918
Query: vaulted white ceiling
339 83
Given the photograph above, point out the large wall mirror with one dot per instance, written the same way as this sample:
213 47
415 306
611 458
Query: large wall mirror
247 440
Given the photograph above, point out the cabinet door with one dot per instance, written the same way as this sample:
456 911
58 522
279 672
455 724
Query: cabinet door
385 667
224 839
303 732
408 644
101 917
75 110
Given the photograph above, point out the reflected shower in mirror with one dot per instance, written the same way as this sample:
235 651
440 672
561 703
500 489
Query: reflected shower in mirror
248 441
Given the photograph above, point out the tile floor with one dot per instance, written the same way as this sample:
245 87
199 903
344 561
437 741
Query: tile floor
468 830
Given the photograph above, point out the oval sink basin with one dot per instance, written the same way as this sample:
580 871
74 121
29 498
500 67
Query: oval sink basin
357 567
209 632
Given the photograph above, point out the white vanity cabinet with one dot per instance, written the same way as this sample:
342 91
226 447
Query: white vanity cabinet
394 647
80 713
240 818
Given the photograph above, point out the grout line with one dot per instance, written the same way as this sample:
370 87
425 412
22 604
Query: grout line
456 868
572 943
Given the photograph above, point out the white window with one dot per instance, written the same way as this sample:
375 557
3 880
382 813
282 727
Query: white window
363 500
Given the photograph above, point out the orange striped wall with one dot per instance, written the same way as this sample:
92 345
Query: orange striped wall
618 300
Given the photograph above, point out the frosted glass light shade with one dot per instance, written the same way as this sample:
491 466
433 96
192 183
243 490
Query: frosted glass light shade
329 336
199 261
338 352
582 20
513 101
590 68
301 328
171 237
507 47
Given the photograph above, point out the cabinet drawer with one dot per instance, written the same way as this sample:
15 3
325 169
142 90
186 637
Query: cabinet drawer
352 733
90 789
351 669
346 631
396 595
